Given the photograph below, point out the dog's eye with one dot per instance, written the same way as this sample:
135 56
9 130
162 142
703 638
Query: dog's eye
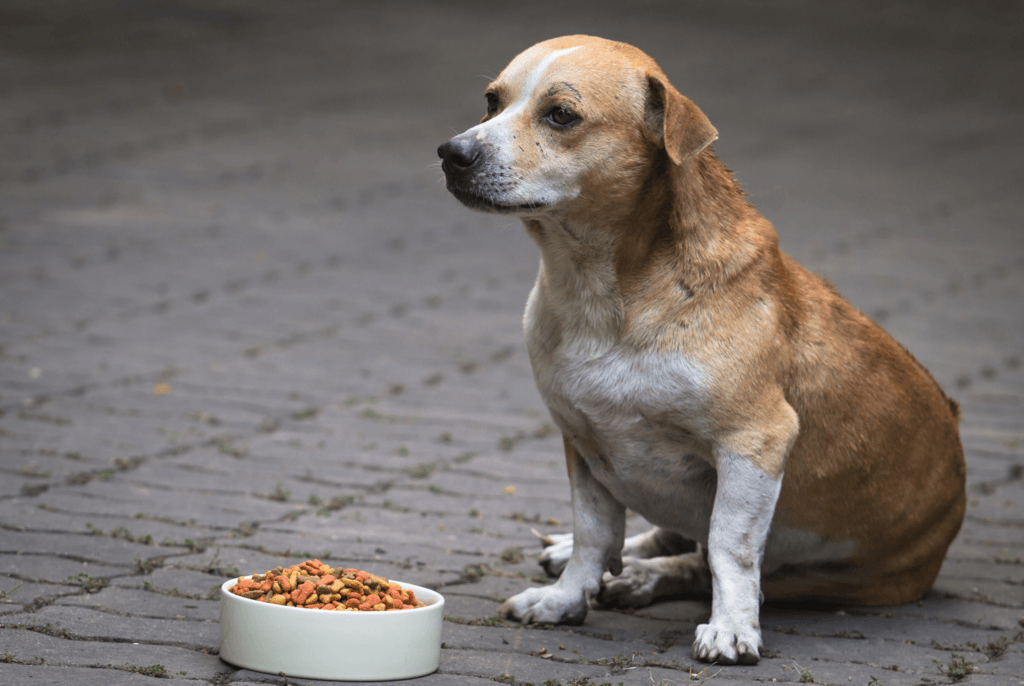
492 102
562 116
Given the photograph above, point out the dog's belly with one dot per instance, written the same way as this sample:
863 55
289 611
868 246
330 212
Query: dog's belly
636 423
659 477
634 420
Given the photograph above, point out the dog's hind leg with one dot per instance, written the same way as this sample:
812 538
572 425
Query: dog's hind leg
642 581
656 542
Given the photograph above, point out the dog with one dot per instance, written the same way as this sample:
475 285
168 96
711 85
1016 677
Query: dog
782 444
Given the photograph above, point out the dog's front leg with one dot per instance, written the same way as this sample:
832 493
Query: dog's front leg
599 523
745 500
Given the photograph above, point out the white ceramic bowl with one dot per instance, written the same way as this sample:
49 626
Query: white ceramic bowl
338 646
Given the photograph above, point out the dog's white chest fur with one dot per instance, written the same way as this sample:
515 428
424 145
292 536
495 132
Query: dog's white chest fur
633 415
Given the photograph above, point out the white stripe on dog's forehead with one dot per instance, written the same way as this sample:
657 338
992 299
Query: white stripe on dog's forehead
537 74
532 81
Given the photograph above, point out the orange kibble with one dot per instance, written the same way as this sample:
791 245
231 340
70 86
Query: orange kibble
300 594
352 602
366 607
373 599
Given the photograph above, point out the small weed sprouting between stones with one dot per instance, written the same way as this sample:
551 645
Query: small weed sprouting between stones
422 470
310 413
692 679
279 494
465 457
484 621
474 572
620 664
875 682
158 671
5 594
54 630
995 649
958 668
805 674
512 555
87 582
504 679
334 504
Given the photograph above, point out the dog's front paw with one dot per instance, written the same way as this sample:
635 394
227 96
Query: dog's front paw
546 605
556 553
727 644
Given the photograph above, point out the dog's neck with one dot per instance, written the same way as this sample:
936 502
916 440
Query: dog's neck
692 226
577 277
690 229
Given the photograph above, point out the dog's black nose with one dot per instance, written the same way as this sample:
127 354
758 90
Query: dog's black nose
459 153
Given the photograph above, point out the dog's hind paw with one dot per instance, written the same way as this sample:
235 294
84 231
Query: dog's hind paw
635 586
727 646
556 553
546 605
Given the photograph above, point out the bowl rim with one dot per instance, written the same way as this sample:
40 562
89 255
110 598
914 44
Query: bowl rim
427 607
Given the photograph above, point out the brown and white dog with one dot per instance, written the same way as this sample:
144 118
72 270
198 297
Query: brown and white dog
700 376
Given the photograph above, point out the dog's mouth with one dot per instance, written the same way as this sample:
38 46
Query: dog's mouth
475 201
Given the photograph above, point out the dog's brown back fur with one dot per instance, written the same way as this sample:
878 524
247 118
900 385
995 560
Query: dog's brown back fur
869 411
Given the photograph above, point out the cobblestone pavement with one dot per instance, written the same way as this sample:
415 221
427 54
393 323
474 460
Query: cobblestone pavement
242 323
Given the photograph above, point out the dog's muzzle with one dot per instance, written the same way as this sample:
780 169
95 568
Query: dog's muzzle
463 161
460 156
473 176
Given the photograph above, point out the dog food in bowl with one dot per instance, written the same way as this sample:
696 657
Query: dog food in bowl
300 640
316 586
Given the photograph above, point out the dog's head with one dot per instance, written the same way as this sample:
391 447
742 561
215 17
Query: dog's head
572 119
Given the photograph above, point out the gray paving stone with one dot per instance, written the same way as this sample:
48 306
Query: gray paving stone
58 674
55 569
31 646
131 602
91 624
523 668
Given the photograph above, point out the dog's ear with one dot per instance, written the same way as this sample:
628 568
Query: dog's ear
675 121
